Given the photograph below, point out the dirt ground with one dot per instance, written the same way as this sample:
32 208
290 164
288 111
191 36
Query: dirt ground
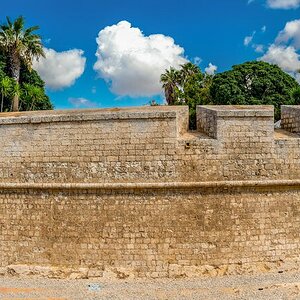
264 286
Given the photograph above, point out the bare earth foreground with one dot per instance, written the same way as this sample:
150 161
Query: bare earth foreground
264 286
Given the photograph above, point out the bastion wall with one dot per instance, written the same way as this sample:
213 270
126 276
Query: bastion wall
132 192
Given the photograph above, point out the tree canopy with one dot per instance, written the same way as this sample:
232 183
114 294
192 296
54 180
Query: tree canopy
20 85
250 83
255 83
20 46
187 86
31 89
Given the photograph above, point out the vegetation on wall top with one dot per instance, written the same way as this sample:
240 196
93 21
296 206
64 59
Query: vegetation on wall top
255 83
250 83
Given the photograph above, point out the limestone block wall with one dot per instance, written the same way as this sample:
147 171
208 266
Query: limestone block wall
91 146
246 139
290 118
166 232
149 144
133 192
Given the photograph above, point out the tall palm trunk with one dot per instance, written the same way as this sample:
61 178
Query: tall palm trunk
15 66
169 94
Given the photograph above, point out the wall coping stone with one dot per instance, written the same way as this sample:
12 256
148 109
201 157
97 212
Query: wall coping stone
293 107
144 112
240 110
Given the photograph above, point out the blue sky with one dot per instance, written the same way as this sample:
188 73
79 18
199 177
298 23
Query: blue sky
210 31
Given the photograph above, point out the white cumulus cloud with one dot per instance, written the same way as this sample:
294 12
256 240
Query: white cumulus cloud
283 4
285 57
291 32
211 69
284 50
60 69
132 62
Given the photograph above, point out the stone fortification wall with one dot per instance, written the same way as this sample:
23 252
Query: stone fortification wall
134 192
290 118
145 145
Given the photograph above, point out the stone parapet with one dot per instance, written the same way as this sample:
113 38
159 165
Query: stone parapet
230 121
290 118
180 113
146 144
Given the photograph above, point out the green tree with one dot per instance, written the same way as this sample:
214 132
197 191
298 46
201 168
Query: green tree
31 95
16 92
170 81
32 79
188 71
187 86
26 77
296 95
254 83
2 65
5 89
21 46
196 91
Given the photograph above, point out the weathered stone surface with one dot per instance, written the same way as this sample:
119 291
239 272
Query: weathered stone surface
130 192
290 118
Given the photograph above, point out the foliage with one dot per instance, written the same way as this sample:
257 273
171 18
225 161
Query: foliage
250 83
31 77
28 78
257 83
33 98
296 95
5 89
20 46
29 84
187 86
170 82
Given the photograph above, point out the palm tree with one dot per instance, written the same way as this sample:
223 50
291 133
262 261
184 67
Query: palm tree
21 46
5 89
189 69
15 92
170 80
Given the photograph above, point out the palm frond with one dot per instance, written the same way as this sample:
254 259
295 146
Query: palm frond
9 21
16 40
31 29
18 25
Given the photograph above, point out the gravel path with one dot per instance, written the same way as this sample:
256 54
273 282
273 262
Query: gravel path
265 286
